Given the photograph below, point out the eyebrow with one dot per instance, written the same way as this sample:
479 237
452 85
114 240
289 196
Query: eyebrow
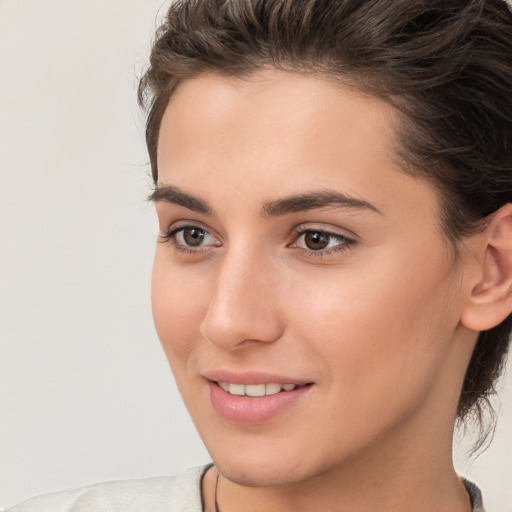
173 195
287 205
315 200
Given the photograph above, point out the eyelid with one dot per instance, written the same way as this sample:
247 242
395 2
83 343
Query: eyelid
347 242
328 229
187 223
168 236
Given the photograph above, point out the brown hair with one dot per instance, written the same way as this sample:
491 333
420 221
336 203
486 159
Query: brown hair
446 65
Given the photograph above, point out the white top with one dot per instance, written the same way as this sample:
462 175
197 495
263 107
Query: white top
178 493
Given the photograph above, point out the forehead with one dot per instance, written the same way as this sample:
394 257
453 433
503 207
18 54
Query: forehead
290 130
298 110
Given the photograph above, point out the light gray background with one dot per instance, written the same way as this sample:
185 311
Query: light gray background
86 394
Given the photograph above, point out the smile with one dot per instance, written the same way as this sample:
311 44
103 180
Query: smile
255 403
255 390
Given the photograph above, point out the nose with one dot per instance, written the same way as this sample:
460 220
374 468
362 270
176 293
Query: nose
243 309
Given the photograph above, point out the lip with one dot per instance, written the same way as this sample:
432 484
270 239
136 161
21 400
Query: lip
252 377
253 410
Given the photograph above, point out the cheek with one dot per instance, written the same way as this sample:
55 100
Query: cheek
387 330
178 305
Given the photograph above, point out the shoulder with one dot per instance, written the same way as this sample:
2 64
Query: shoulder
178 493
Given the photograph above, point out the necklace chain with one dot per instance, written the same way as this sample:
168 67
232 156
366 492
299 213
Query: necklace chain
215 504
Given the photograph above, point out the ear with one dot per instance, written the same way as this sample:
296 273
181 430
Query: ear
491 291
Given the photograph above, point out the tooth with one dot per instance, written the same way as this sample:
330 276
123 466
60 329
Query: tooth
272 389
255 389
236 389
223 385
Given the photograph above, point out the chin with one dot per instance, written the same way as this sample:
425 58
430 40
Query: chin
258 474
263 467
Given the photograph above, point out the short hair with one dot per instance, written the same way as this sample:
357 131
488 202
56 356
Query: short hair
446 65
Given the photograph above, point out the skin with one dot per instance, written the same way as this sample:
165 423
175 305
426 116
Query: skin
374 321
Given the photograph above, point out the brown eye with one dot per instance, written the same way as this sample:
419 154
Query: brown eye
193 236
322 242
316 240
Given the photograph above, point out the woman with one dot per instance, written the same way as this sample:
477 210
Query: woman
332 285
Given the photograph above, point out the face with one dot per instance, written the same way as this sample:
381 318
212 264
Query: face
302 289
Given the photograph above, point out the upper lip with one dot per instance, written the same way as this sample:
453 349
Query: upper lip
251 377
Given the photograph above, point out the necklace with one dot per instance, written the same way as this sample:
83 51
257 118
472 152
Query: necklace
215 492
210 490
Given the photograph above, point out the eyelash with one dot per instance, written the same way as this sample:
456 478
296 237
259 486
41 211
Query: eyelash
344 243
170 237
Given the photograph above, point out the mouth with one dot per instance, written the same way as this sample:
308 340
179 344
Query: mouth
255 403
257 390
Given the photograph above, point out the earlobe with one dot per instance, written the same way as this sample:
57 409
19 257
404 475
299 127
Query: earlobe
491 295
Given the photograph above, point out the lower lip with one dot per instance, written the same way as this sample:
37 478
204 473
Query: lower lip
247 410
